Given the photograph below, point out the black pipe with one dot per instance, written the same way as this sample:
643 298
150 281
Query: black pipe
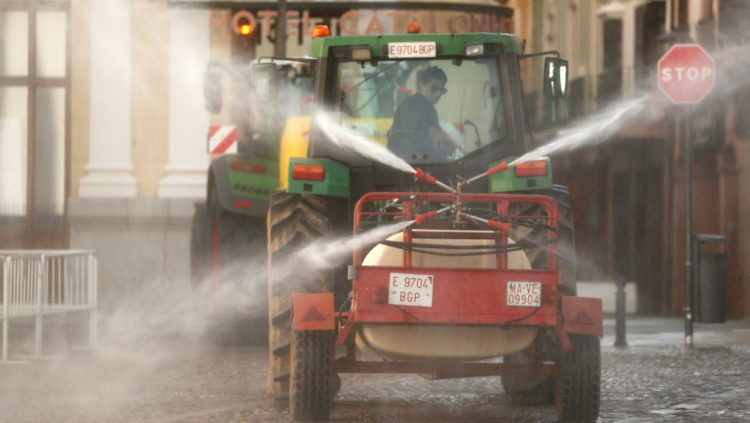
620 313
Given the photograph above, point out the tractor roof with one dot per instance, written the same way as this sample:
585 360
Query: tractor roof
448 44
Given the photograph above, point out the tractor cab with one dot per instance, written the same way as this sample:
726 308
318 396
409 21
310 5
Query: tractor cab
450 103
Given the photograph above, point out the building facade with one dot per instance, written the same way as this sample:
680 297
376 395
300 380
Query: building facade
103 127
628 187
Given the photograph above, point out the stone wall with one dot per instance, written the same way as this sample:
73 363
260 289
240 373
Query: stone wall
138 241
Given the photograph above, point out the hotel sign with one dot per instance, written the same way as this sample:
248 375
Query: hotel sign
363 22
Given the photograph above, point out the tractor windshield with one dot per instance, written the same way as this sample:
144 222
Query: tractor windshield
425 111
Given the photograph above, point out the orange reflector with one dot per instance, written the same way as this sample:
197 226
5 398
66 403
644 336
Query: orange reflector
414 28
536 168
243 203
549 293
308 172
246 29
320 31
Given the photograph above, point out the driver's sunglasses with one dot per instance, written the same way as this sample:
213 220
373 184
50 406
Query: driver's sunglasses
436 88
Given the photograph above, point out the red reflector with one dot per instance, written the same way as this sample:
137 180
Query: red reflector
320 31
308 172
243 203
537 168
313 314
248 167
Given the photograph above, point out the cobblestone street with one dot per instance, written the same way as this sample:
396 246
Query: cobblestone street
654 379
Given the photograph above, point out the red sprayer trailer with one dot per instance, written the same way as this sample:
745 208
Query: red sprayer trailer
445 293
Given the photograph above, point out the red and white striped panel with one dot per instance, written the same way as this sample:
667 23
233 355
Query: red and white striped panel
222 139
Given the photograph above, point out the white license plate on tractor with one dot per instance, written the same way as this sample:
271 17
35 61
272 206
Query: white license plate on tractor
412 49
410 289
523 294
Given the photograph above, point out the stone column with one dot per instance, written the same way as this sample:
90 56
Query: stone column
188 120
110 170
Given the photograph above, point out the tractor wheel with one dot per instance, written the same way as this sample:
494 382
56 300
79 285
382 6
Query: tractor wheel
294 221
234 295
199 246
578 386
313 378
522 389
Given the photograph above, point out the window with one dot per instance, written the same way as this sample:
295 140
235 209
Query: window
34 123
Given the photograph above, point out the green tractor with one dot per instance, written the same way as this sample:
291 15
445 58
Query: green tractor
402 124
228 236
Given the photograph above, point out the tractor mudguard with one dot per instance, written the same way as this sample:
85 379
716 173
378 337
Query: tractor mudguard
313 311
243 183
582 315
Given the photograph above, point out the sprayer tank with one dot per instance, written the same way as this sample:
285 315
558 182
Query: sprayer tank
408 341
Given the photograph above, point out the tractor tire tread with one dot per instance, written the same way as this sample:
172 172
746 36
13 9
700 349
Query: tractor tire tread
580 379
294 221
313 378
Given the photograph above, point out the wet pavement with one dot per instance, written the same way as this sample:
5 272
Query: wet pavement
654 379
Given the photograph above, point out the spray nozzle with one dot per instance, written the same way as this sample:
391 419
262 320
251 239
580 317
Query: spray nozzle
495 224
420 174
499 168
420 218
505 227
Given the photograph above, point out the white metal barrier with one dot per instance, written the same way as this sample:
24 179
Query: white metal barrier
36 283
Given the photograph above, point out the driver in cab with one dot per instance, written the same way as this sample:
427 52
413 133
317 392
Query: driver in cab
415 134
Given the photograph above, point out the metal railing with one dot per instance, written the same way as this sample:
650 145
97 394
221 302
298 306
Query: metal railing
36 283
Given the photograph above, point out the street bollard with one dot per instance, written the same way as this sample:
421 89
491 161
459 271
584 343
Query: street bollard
620 313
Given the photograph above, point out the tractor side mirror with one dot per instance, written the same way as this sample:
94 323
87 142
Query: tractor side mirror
212 90
555 77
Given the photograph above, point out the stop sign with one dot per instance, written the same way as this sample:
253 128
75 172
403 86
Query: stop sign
686 73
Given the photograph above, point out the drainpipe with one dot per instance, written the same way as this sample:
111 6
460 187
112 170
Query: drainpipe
281 29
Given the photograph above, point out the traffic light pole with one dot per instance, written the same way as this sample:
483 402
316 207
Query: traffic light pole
688 152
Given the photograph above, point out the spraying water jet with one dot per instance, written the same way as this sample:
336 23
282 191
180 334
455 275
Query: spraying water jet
593 130
348 138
